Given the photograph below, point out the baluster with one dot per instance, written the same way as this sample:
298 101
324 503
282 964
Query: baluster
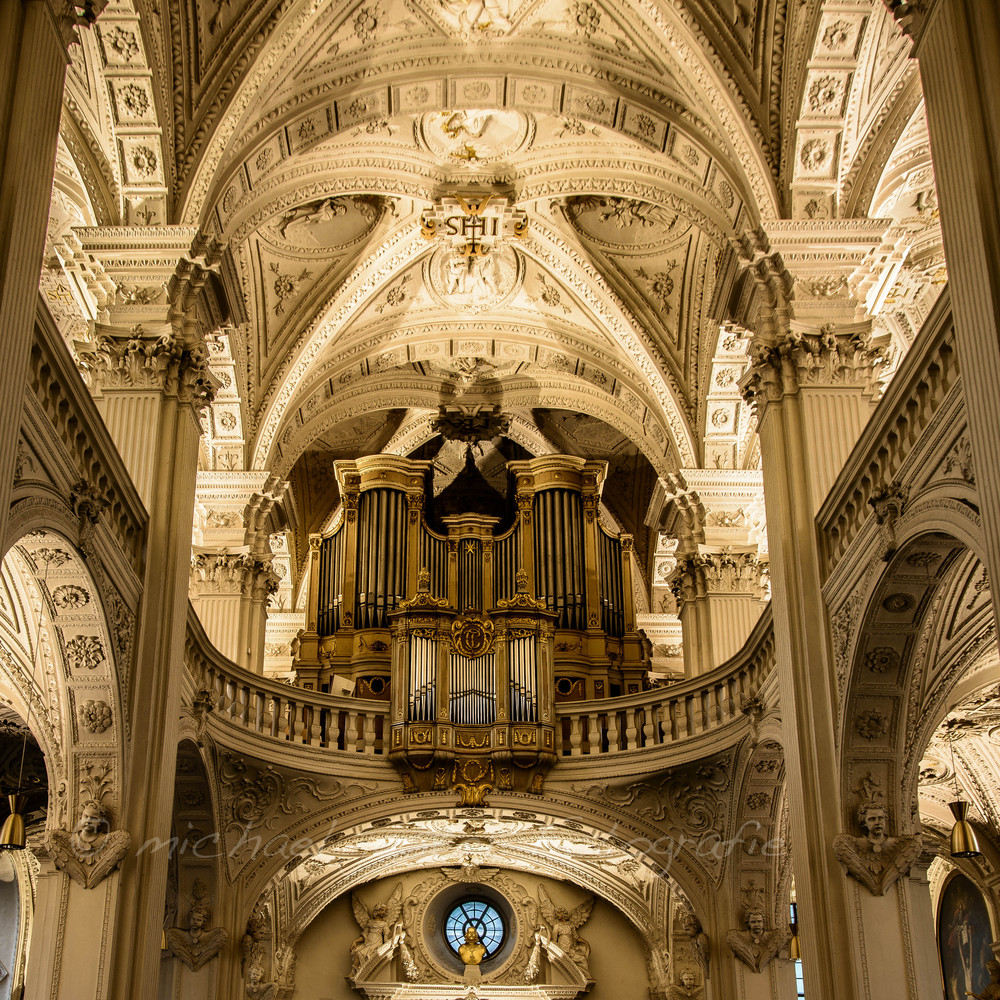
275 716
660 732
611 722
245 706
351 731
680 721
258 711
369 733
575 735
647 725
631 729
711 719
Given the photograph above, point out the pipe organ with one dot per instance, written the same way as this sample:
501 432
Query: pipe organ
471 612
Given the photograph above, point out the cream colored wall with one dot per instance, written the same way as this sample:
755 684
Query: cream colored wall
323 959
617 959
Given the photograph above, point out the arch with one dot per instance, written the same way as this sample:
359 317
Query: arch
364 93
59 666
390 392
917 636
426 839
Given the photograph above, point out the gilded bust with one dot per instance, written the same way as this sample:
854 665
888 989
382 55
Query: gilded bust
473 951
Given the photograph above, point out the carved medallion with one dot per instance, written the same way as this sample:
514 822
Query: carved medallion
472 637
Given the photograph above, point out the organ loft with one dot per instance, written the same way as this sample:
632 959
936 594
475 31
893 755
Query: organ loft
472 613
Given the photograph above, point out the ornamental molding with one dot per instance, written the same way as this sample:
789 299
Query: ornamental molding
358 85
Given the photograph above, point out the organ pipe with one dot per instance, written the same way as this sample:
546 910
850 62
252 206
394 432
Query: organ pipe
383 545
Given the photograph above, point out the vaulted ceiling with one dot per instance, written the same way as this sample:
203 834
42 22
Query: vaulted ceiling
639 138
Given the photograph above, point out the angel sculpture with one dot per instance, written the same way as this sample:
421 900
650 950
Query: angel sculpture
200 942
563 926
756 946
92 851
382 932
875 859
687 988
699 940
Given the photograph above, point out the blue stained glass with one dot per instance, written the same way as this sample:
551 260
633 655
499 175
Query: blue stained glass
479 914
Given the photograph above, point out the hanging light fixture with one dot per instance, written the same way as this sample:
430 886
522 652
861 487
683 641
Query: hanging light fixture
13 833
964 843
793 945
13 836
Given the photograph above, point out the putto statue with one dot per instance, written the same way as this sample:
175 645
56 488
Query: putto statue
687 988
199 943
93 850
875 859
256 987
563 925
756 946
699 940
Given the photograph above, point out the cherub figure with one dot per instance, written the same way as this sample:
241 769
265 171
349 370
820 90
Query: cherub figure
756 946
699 939
875 859
200 943
563 925
687 988
256 987
92 851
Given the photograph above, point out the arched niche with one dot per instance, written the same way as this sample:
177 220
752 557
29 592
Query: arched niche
473 845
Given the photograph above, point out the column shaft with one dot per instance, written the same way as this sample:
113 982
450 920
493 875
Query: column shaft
32 73
959 51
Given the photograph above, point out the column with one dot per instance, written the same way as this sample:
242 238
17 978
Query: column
801 379
33 41
720 594
148 370
719 574
229 591
957 43
260 581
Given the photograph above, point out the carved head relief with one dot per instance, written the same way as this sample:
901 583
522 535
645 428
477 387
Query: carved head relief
756 923
872 820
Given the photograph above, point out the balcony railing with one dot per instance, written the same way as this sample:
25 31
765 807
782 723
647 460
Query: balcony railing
250 706
672 714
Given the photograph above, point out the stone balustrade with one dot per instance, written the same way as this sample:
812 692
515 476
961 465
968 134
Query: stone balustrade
667 716
249 707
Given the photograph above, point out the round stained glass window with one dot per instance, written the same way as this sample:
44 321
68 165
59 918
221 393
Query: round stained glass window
483 916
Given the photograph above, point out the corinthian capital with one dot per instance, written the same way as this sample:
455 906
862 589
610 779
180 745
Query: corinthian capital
136 359
827 357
